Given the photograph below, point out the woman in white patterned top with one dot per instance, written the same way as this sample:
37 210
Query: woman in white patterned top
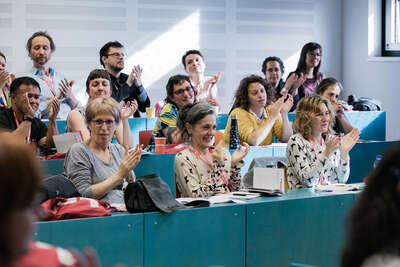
200 169
312 159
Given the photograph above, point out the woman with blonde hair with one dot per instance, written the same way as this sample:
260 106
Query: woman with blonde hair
312 159
97 167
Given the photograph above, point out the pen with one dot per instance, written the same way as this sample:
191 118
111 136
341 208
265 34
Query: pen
318 190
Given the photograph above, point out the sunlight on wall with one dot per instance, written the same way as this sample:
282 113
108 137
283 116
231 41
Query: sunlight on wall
291 62
164 53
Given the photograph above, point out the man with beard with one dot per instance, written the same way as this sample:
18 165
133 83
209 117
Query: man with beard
20 119
124 87
53 84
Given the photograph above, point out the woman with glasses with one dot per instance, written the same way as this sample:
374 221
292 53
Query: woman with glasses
98 168
98 86
308 68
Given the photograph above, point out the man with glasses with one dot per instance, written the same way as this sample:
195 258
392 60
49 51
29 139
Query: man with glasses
180 92
123 87
20 117
53 84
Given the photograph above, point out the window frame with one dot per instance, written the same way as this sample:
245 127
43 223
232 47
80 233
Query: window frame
386 30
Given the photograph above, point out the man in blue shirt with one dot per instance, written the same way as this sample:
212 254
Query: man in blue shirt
40 47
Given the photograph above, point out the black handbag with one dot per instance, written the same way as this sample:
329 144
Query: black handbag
150 193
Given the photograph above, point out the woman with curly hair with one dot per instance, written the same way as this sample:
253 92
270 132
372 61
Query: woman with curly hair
259 119
313 160
373 233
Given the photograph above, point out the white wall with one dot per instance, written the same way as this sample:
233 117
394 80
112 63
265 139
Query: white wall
376 79
235 35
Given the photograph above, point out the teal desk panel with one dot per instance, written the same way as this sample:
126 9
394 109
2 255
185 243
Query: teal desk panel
117 239
150 122
213 236
372 124
222 121
362 158
296 228
54 166
61 125
163 164
137 125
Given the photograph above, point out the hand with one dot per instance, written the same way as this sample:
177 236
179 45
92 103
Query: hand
54 107
4 78
300 80
88 258
65 88
27 108
129 108
289 83
276 107
239 153
218 153
212 81
135 76
211 101
130 160
287 105
348 141
332 143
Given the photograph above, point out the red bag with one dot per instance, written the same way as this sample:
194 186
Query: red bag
60 208
43 254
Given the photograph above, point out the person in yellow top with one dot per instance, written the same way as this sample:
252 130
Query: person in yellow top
259 119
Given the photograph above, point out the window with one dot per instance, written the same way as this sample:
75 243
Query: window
391 28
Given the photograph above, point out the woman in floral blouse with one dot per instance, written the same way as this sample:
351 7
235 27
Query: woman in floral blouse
200 169
312 159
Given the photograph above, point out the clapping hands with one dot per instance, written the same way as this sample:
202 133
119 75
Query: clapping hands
240 153
135 76
128 108
348 141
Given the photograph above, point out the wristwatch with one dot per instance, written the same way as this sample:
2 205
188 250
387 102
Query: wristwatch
27 118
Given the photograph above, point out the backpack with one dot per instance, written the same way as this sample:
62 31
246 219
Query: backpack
364 103
150 193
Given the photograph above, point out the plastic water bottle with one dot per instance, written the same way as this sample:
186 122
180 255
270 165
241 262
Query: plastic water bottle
234 133
377 159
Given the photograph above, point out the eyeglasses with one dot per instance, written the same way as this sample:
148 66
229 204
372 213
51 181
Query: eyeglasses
117 55
99 123
311 54
35 96
181 91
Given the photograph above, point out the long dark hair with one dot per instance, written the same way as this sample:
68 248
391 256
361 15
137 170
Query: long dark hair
302 66
373 223
242 93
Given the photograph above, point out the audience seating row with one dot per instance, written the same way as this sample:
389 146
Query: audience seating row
263 232
372 124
